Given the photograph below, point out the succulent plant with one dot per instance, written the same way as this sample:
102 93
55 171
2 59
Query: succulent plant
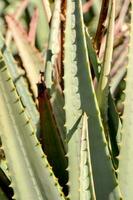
63 131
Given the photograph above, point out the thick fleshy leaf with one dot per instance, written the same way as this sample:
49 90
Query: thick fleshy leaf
57 100
87 190
103 85
79 95
21 86
126 150
26 160
114 122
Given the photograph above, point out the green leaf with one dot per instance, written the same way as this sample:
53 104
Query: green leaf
87 190
57 100
114 123
53 45
57 103
92 54
102 90
27 163
21 86
126 151
79 95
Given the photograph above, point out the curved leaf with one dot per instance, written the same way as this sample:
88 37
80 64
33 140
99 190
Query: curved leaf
27 163
21 86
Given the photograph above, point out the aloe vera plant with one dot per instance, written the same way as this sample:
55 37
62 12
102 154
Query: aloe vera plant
61 132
